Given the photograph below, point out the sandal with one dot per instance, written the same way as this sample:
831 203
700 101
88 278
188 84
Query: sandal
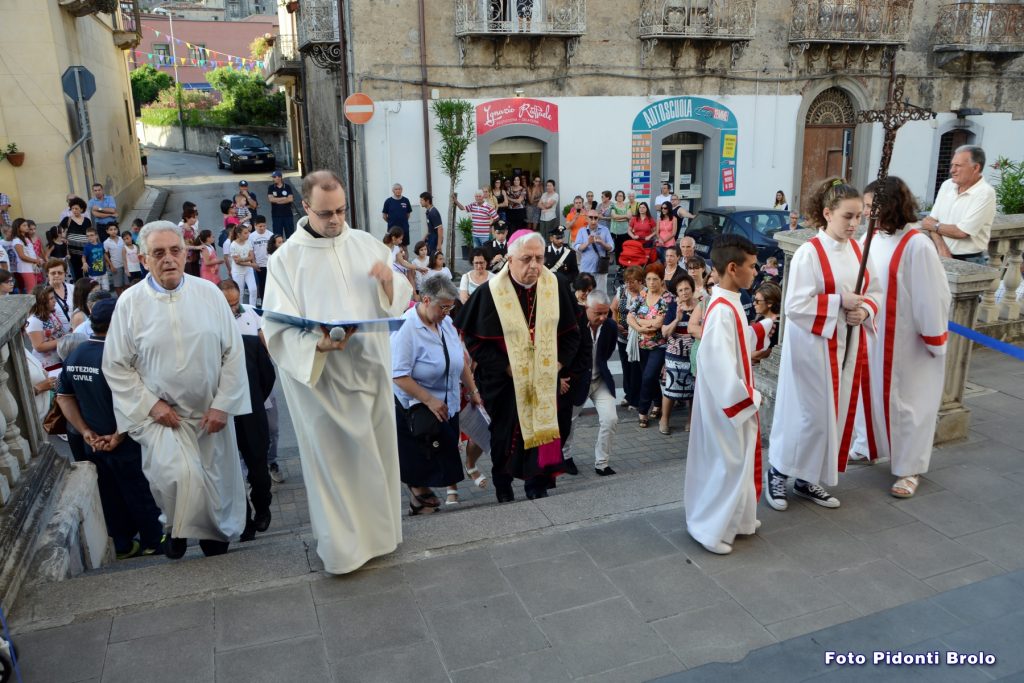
655 413
664 429
643 421
479 478
905 487
449 495
429 500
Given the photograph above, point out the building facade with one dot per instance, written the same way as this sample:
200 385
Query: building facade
199 45
39 41
726 100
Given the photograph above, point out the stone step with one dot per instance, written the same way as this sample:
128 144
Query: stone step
287 557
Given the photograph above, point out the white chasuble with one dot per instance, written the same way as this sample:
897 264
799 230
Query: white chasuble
723 465
900 396
816 400
341 402
183 347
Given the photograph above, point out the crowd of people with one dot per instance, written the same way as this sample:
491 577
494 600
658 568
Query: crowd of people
500 363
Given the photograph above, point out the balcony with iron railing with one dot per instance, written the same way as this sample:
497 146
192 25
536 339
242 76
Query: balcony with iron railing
127 25
316 23
980 27
281 62
697 19
851 22
491 18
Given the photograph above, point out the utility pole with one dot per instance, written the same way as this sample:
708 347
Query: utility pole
177 83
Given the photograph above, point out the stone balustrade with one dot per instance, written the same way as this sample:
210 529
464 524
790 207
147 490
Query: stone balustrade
35 479
999 302
967 282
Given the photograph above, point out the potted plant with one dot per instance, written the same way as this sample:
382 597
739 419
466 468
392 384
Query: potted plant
465 228
12 155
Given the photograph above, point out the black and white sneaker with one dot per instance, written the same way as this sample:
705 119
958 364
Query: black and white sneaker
815 493
776 493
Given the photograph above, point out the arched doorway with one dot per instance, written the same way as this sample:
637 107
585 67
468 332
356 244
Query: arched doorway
828 138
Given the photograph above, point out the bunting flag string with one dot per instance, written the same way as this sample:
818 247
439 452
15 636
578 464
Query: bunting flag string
204 56
159 60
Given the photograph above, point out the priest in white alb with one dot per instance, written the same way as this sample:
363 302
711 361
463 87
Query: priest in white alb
900 396
339 391
176 368
723 465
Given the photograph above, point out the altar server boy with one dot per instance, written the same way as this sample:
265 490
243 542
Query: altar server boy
723 466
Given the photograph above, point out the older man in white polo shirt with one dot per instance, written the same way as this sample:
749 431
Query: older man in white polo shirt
960 222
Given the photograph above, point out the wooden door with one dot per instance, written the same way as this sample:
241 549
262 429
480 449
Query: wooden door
823 155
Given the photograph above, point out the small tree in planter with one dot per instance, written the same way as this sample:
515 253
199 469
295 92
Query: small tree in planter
454 123
465 227
12 155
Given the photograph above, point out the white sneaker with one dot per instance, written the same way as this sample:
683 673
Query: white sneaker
720 548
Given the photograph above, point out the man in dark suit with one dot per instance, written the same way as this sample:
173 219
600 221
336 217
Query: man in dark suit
497 249
558 258
602 332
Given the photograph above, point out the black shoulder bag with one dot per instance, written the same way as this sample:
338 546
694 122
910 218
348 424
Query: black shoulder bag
423 424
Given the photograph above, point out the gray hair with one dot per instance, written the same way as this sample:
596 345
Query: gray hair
155 227
68 343
516 248
688 240
97 295
438 287
598 298
976 152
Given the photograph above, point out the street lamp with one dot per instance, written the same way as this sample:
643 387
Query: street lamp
177 83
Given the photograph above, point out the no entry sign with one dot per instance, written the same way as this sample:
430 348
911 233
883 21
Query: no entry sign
358 108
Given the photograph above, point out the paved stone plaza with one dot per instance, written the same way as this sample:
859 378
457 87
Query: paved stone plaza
597 582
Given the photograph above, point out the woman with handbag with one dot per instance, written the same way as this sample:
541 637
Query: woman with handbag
428 362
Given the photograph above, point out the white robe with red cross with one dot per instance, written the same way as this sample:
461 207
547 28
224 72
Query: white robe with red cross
815 405
723 468
901 393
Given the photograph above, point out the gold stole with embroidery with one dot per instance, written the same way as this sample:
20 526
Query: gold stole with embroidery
534 362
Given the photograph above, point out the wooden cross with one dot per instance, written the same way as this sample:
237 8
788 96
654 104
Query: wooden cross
896 112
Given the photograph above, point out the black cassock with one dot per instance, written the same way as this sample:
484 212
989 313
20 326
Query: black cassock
482 333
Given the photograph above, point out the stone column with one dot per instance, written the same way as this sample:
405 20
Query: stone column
766 373
966 282
12 437
1009 305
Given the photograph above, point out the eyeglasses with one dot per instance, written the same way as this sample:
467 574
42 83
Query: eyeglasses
446 308
326 215
758 301
591 218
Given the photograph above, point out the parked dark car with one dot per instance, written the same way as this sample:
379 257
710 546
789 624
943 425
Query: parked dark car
757 225
244 151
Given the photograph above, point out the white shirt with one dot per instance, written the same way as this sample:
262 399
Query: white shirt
971 211
132 259
30 252
552 213
241 251
115 253
658 201
259 244
247 321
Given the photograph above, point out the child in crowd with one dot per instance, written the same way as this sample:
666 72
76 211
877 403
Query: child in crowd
393 239
114 248
771 268
6 282
94 259
723 469
275 243
136 229
436 266
227 207
211 264
132 264
242 211
260 240
56 245
244 262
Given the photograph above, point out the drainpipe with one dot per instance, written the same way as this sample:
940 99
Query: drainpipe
423 93
343 83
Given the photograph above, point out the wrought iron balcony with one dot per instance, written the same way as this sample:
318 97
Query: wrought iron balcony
83 8
317 26
851 22
492 18
282 63
697 19
127 25
980 27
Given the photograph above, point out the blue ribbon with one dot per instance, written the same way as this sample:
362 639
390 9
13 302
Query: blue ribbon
985 340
